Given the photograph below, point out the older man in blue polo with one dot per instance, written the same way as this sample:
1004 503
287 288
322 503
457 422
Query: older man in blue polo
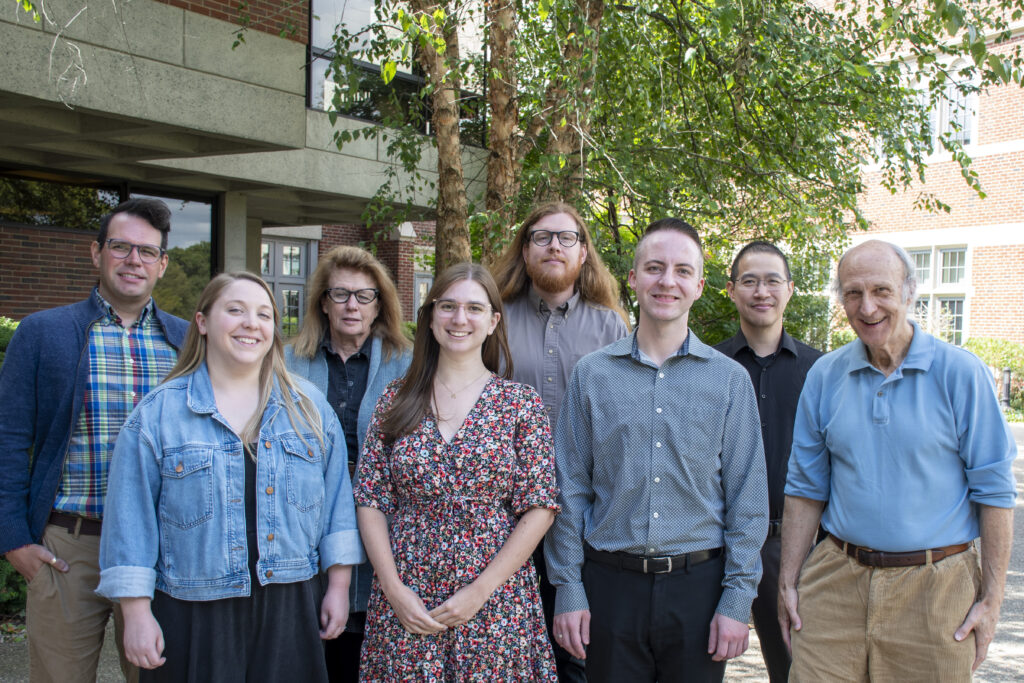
901 435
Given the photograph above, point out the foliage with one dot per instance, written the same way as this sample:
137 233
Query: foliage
7 327
44 203
1001 354
13 590
188 272
29 7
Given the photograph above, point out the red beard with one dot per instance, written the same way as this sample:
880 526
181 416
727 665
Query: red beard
547 281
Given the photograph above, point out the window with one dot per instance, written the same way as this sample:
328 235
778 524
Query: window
954 262
422 282
951 319
284 264
922 266
953 113
921 311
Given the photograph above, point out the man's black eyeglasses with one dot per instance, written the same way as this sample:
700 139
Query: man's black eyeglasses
566 238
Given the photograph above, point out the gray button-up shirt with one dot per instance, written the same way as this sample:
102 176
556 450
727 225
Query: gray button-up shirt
546 344
660 461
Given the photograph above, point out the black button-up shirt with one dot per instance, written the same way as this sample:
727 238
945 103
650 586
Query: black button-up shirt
346 384
778 380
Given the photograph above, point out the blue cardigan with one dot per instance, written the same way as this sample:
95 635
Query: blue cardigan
381 373
42 385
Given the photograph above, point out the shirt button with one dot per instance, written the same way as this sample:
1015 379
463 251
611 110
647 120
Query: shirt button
270 490
178 467
763 396
879 393
133 394
267 444
551 350
657 410
657 444
270 537
657 480
661 375
342 404
650 550
549 379
655 515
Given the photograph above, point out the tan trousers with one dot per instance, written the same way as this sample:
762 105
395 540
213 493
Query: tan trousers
65 618
893 624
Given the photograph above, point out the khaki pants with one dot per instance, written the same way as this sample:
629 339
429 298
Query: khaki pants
893 624
65 618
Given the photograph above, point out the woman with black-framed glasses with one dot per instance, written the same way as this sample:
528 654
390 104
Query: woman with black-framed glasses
350 346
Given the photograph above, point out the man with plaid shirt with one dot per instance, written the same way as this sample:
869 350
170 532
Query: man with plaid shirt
70 378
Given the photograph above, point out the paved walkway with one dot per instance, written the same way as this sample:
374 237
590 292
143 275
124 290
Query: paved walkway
1005 660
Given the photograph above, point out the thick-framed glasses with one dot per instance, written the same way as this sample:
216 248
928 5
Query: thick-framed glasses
148 253
566 238
772 283
473 309
340 295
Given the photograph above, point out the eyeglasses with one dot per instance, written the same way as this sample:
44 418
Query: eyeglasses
448 307
148 253
340 295
772 283
566 238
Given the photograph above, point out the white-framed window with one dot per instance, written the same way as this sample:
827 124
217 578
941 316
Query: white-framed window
951 319
922 266
954 112
943 276
285 265
954 265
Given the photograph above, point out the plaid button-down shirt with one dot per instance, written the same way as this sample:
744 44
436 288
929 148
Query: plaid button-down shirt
124 365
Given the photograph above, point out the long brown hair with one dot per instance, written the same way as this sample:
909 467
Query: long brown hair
412 400
595 283
193 355
388 323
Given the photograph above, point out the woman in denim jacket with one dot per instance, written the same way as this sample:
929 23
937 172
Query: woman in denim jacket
350 347
228 491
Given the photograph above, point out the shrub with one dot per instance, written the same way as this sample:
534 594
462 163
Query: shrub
7 327
12 590
1000 354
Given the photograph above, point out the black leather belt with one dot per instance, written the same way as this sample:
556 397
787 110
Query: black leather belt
650 564
75 524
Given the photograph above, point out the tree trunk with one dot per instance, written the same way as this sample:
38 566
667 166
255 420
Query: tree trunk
452 237
502 163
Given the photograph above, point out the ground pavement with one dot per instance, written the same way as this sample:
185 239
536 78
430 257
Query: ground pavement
1005 658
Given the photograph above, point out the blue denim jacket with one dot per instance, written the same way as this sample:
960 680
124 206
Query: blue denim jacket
382 372
175 509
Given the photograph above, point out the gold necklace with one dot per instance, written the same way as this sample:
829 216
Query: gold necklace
471 383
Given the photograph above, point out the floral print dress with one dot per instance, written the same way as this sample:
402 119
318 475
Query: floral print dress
452 506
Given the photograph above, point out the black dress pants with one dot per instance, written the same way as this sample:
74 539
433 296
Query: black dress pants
652 627
766 614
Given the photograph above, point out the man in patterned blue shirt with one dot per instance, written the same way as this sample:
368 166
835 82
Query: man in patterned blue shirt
656 554
70 378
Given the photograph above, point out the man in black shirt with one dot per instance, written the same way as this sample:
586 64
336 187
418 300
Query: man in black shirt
760 284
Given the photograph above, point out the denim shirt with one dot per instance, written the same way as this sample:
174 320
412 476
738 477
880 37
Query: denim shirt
175 516
382 372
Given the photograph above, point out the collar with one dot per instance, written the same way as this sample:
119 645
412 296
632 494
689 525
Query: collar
365 349
538 304
738 342
199 393
109 315
919 355
628 346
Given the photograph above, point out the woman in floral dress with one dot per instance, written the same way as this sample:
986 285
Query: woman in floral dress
460 461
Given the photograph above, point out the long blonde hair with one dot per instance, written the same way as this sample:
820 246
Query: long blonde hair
387 325
193 355
595 283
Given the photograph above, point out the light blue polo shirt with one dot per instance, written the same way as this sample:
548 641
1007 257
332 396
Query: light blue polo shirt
903 461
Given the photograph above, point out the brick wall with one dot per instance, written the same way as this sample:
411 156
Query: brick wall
42 268
997 307
290 20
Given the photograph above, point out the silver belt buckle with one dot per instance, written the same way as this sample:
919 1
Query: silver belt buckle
665 571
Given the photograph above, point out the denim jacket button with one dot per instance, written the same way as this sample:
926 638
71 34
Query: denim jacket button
270 537
267 444
270 489
270 572
179 467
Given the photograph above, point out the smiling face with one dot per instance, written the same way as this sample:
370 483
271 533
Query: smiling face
239 327
554 268
460 332
873 297
667 277
761 306
128 283
351 322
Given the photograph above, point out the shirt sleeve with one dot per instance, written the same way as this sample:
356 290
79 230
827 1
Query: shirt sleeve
129 545
374 486
810 470
339 543
563 547
534 484
987 446
745 488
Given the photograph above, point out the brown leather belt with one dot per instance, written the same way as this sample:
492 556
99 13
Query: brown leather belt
878 558
650 565
75 524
